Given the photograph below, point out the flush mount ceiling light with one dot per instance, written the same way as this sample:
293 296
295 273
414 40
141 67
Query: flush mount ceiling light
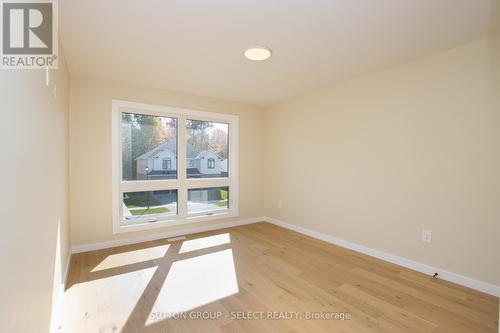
258 53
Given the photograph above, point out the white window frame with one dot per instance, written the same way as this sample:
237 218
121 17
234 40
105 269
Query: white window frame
182 183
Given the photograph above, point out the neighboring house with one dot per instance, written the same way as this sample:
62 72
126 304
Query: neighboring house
162 162
223 166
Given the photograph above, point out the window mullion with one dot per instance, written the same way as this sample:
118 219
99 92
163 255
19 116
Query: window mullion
208 182
151 185
181 166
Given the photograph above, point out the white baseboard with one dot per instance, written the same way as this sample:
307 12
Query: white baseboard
160 235
423 268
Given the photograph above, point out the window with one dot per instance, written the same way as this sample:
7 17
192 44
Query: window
207 200
149 204
211 163
146 141
172 166
167 164
208 147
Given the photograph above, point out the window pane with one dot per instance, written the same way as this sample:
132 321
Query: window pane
148 144
207 149
149 205
208 199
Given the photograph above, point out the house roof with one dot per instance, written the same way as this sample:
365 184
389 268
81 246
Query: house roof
171 145
206 152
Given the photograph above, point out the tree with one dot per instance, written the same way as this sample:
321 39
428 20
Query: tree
140 134
218 142
197 133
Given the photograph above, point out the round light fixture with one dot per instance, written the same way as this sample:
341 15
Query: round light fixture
258 53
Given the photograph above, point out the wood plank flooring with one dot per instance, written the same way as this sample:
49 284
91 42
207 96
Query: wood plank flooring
250 278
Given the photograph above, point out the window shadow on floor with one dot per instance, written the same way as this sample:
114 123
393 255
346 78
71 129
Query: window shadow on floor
179 276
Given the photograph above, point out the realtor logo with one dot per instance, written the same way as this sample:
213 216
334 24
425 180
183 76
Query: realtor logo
29 34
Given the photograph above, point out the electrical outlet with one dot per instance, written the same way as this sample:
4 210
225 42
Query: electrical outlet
280 204
426 236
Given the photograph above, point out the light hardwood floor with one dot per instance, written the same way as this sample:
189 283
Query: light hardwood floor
261 267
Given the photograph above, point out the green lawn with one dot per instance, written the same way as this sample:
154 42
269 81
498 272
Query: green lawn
156 210
140 199
223 195
222 203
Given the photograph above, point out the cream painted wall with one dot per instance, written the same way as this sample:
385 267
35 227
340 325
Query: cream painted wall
90 153
34 196
377 159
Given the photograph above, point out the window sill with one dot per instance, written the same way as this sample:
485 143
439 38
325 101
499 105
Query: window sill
173 222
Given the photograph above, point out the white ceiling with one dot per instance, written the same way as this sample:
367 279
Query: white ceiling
197 46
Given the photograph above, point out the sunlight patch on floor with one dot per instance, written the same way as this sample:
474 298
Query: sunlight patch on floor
102 305
132 257
204 242
194 282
